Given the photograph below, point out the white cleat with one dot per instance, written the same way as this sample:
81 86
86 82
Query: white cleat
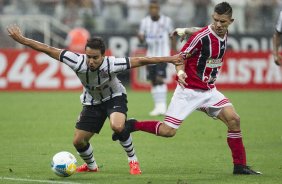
159 110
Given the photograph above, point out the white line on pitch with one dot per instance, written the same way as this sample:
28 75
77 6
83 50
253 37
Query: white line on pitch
38 181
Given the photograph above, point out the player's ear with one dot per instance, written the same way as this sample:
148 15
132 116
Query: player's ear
232 20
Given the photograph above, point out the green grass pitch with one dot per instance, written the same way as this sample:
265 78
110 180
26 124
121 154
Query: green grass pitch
34 126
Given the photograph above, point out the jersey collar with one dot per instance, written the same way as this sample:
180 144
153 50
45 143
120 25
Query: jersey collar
218 37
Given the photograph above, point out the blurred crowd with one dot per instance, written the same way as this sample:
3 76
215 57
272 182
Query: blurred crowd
251 16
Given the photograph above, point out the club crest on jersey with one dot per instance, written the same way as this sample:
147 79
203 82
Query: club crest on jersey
104 74
214 63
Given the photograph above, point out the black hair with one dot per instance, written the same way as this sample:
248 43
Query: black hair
154 2
223 8
96 43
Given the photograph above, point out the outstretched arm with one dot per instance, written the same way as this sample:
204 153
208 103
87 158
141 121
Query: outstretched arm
15 33
276 41
184 32
177 59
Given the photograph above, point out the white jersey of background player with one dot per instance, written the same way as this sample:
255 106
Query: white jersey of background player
154 31
277 35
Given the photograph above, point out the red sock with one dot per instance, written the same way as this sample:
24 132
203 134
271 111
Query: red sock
148 126
235 143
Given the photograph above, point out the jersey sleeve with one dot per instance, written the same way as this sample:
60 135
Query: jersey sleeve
70 58
192 45
279 23
119 64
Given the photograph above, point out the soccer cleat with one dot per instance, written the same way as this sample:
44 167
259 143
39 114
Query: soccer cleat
245 170
159 110
128 128
84 168
134 167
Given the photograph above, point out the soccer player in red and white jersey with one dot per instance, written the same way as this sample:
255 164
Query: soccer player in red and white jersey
196 89
103 94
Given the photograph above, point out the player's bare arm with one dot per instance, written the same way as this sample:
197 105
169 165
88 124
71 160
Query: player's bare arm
276 41
173 43
15 33
141 61
184 32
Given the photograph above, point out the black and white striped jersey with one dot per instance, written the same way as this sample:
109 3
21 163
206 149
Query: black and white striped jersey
157 35
99 85
279 23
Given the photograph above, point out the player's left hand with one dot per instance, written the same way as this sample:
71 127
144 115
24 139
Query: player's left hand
278 59
15 33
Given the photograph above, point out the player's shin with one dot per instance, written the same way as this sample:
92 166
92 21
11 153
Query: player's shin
87 155
126 143
235 143
148 126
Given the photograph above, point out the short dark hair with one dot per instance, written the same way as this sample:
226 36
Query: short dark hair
154 2
223 8
96 43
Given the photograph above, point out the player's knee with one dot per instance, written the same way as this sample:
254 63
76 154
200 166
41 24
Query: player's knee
154 83
167 131
234 123
78 143
117 128
171 132
159 80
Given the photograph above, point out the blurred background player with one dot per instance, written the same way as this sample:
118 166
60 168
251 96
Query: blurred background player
277 40
154 32
204 51
103 94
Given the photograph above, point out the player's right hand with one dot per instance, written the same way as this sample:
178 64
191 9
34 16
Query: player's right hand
15 33
278 59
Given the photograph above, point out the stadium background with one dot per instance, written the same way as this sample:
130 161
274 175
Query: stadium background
37 113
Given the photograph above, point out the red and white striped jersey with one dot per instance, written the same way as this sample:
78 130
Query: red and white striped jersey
206 50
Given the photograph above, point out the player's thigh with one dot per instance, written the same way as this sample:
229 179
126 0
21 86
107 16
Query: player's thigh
117 112
91 118
183 103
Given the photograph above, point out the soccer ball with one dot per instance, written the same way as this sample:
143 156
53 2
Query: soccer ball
63 164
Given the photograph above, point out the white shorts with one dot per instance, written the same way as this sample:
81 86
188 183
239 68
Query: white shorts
185 101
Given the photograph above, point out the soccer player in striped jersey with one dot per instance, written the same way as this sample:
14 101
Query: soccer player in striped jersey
103 94
154 32
276 41
196 89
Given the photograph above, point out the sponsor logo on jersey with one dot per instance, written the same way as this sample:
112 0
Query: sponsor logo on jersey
214 63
